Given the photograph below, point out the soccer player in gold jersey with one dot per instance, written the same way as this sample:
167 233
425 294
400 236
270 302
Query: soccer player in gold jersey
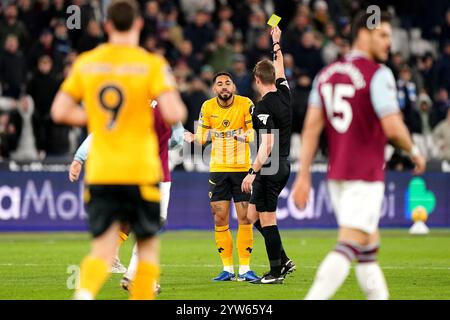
115 81
228 119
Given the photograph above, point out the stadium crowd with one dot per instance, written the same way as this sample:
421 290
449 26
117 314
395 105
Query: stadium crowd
201 37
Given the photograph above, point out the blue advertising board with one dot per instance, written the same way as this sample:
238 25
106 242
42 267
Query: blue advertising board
47 201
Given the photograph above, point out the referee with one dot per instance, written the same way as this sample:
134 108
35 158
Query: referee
271 117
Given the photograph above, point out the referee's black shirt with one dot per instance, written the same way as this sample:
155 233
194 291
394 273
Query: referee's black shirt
274 112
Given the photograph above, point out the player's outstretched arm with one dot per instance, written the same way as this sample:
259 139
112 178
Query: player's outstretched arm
79 158
397 132
314 124
75 170
65 110
176 139
278 55
82 151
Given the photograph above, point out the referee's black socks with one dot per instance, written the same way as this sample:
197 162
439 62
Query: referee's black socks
273 248
284 257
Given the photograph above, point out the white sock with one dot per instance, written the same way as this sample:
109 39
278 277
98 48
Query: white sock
83 294
229 269
330 276
371 280
131 270
243 269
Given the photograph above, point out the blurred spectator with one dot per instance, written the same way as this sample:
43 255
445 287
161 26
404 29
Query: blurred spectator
165 45
207 75
87 13
42 88
287 10
257 26
329 33
220 53
423 138
12 68
227 28
45 46
224 13
28 16
296 29
194 98
345 27
320 15
200 33
443 68
330 50
238 46
425 104
300 94
22 120
181 73
242 78
289 69
174 29
441 106
444 36
306 55
395 63
150 43
8 135
151 17
407 92
407 95
92 38
441 135
63 45
427 69
190 8
43 17
57 12
261 49
10 25
185 54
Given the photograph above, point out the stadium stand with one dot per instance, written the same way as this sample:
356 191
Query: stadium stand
200 37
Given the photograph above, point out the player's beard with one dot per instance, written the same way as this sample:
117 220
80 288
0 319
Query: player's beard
381 58
225 96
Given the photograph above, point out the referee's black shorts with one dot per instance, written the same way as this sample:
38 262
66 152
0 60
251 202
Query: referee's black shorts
226 185
267 188
107 204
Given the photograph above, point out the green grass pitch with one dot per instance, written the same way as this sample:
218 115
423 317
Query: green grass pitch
35 266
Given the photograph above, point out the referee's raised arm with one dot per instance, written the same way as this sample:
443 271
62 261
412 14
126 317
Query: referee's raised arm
277 54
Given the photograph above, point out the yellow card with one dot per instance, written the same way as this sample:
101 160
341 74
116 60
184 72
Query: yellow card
274 20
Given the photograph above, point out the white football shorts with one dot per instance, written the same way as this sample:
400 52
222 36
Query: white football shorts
357 204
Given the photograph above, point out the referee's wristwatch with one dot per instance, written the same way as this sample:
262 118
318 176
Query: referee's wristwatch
251 171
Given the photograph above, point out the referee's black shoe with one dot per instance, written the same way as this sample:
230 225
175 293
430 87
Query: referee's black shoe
287 267
268 278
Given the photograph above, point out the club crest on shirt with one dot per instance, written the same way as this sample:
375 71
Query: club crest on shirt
226 123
